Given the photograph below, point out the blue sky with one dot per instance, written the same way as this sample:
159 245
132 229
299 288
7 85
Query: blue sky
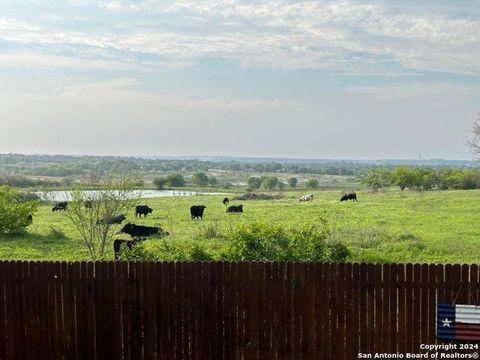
317 79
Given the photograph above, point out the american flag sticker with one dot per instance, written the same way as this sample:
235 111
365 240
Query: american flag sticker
458 322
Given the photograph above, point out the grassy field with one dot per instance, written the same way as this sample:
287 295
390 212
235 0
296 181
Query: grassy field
393 226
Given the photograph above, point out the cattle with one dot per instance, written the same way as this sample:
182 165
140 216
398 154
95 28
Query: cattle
60 206
226 201
142 210
308 197
30 219
139 231
110 220
88 204
196 211
117 245
235 209
349 196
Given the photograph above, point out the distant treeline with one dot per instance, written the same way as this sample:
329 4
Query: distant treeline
24 182
422 178
62 166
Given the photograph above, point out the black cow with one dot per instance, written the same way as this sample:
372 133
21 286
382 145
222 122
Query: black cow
196 211
142 210
88 204
115 219
30 219
226 201
139 231
117 245
349 196
60 206
235 209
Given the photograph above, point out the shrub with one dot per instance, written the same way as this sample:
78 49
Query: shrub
311 183
338 251
200 179
254 182
265 242
160 182
14 213
292 182
269 182
175 180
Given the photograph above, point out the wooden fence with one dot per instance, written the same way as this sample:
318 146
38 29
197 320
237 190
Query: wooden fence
222 310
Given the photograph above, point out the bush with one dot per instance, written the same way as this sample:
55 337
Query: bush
269 182
14 214
338 251
175 180
265 242
200 179
254 182
160 182
212 180
311 184
292 182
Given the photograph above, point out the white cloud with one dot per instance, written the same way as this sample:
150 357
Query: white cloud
349 37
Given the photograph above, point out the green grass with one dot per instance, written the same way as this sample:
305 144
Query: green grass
440 227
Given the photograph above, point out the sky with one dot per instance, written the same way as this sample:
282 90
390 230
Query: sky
314 79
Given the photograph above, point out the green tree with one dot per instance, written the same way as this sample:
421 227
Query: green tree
175 180
402 176
292 182
311 183
270 182
200 179
377 178
116 197
160 182
254 182
14 213
212 180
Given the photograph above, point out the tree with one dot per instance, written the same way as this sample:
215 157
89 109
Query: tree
402 177
212 180
292 182
270 182
175 180
160 182
116 197
377 179
311 183
14 212
200 179
254 182
474 144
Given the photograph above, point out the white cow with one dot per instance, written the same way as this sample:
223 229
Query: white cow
308 197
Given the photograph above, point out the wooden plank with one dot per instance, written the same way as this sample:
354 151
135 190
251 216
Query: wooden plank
432 303
402 329
409 307
393 311
289 289
372 331
308 347
424 312
363 307
298 303
340 306
417 323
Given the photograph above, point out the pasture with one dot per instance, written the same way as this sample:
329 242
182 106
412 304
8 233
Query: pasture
392 226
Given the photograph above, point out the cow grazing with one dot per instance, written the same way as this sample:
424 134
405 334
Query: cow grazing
308 197
140 231
349 196
60 206
110 220
235 209
226 201
30 219
143 210
117 245
88 204
196 211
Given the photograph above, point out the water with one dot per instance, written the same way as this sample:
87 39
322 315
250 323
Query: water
66 195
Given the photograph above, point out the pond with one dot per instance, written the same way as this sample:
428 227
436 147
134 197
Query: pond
66 195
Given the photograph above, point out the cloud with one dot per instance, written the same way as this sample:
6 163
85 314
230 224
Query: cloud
345 37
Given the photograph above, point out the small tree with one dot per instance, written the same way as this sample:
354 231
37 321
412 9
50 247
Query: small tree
14 212
292 182
200 179
116 197
270 182
254 182
160 182
175 180
474 144
212 180
311 183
